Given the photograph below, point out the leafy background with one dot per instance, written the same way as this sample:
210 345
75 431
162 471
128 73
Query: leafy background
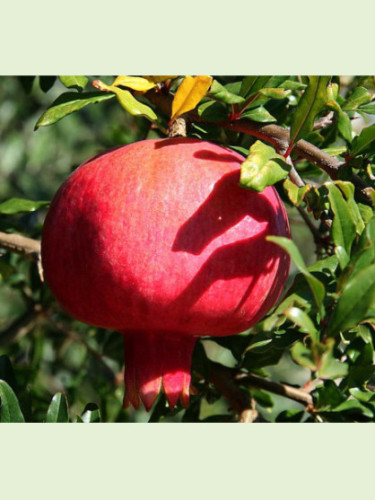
318 341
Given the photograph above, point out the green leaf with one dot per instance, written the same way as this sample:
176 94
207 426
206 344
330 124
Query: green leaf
344 223
301 319
327 396
6 371
263 167
354 406
316 286
359 96
46 82
10 410
355 303
259 114
68 103
344 126
369 109
220 93
291 85
275 93
262 398
251 84
58 409
308 107
363 396
212 111
330 367
362 142
133 106
76 82
21 205
91 414
6 270
303 356
295 194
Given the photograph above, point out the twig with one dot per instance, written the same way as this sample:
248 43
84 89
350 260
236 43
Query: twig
324 121
274 134
227 381
20 244
299 395
240 401
77 338
21 326
178 128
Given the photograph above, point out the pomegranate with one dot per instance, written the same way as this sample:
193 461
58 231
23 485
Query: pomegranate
158 241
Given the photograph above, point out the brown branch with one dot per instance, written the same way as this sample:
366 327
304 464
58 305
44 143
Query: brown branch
240 401
279 137
20 244
21 326
288 391
228 380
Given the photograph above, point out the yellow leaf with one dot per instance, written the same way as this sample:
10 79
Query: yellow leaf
134 82
159 78
189 94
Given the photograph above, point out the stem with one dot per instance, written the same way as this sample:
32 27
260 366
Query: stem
20 244
227 381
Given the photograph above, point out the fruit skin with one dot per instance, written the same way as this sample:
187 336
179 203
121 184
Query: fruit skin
157 241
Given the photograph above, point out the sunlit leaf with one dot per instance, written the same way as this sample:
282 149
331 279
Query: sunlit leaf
68 103
275 93
21 205
308 107
127 101
189 94
259 114
77 82
134 82
359 96
295 194
301 319
220 93
263 167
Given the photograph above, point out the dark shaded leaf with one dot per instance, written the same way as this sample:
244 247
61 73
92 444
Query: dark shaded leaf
10 410
363 141
46 82
356 301
91 414
58 409
289 246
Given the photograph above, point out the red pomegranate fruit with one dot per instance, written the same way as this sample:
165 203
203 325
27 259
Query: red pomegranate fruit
158 241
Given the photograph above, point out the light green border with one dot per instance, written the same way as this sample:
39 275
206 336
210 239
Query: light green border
136 461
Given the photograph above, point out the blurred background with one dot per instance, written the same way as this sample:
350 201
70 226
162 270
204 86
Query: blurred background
51 353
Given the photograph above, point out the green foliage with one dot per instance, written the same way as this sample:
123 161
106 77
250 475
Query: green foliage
318 339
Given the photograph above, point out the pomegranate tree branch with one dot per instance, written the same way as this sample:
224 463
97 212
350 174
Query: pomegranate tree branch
20 244
279 137
227 381
288 391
